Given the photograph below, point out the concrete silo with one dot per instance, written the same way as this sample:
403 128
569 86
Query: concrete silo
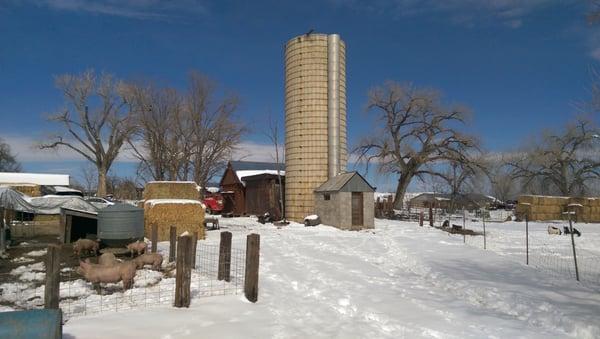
315 118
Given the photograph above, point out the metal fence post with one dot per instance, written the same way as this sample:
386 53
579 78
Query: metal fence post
172 243
464 227
484 238
527 238
573 245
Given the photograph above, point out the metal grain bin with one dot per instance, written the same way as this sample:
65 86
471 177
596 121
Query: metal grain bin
120 224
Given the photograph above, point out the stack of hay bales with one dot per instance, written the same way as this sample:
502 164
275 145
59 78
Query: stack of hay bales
551 207
173 203
31 190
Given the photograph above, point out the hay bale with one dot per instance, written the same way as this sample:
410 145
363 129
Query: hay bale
171 190
525 199
185 214
31 190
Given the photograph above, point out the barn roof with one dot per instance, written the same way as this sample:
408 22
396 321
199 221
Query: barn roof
254 166
346 182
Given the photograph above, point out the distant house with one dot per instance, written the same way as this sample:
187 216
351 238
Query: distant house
252 188
346 201
470 201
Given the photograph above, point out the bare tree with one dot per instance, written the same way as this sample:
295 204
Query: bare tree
160 141
593 14
89 178
418 133
565 162
273 135
214 131
8 161
187 136
95 133
123 188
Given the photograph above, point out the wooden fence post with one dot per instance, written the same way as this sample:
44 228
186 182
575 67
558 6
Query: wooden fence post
194 247
430 216
225 257
183 274
154 237
51 290
421 217
172 243
252 261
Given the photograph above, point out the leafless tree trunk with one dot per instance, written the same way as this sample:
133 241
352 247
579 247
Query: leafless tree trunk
184 136
273 135
566 161
215 133
160 141
8 161
89 176
417 131
97 134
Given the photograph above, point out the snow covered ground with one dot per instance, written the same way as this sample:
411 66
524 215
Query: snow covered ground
399 280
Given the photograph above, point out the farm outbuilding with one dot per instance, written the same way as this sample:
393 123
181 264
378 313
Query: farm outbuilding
263 194
346 201
257 195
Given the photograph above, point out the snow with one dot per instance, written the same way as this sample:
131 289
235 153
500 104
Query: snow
312 217
34 178
398 280
153 202
247 173
38 253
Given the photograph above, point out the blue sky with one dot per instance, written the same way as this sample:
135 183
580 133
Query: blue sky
519 65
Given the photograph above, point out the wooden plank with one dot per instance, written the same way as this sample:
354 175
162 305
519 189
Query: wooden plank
51 289
252 263
173 243
225 257
183 274
154 237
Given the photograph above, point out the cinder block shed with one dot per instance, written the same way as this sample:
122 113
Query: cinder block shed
346 201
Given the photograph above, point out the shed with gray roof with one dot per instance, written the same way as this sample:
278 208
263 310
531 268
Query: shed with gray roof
346 201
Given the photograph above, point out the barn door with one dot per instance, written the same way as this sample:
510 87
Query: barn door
357 209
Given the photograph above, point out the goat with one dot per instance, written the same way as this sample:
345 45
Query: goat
554 230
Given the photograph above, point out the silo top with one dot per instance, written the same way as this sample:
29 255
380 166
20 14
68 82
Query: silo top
311 36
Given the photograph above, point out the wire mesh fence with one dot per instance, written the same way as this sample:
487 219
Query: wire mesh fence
551 253
205 280
23 287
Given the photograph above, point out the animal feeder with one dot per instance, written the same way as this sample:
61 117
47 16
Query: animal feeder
120 224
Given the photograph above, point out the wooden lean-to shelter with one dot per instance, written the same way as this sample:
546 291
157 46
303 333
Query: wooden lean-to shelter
252 188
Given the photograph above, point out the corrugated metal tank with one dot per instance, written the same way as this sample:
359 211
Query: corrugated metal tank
315 118
120 224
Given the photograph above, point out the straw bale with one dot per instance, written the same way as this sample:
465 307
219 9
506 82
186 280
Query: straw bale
185 216
46 218
578 200
31 190
171 190
526 199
